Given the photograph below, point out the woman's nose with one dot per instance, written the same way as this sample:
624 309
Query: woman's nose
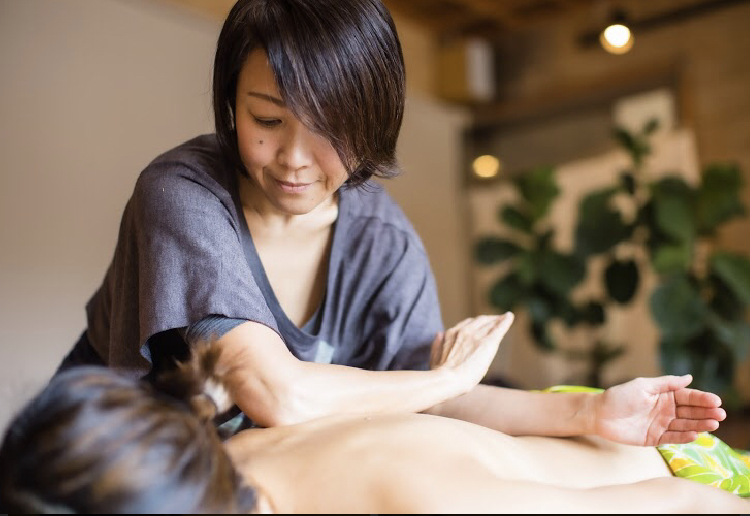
296 150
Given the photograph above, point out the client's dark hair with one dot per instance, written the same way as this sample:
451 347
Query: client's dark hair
94 441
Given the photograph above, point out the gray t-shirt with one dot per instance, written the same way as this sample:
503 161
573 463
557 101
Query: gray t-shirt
184 252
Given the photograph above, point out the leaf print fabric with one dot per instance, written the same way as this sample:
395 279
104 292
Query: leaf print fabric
707 460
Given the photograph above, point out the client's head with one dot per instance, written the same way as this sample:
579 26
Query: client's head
94 441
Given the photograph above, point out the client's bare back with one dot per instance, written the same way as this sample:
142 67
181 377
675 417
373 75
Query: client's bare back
422 463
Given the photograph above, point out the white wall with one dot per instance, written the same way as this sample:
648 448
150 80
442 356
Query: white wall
90 92
429 190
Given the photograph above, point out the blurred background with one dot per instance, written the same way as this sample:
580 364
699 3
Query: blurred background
597 186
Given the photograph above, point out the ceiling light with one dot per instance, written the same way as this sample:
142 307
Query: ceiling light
486 167
617 38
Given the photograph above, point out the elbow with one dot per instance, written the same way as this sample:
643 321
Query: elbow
288 404
282 417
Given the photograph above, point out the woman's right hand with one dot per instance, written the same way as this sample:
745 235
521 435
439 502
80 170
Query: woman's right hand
468 348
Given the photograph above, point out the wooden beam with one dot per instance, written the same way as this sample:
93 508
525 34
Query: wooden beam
497 11
565 98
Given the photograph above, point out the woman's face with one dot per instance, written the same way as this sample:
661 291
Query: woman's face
294 168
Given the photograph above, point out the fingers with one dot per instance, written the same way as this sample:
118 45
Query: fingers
436 350
501 325
671 437
481 325
472 341
472 322
670 383
697 398
693 425
685 412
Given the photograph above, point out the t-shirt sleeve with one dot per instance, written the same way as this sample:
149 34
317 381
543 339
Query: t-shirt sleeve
190 257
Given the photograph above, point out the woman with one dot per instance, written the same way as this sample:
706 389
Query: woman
269 236
95 441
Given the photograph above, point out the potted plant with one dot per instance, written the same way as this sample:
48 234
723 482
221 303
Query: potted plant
702 292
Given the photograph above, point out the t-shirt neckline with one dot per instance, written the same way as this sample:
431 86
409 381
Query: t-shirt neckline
308 331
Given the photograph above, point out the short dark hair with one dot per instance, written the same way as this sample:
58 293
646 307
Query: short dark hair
339 68
94 441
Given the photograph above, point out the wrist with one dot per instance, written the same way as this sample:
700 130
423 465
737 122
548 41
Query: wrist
454 383
588 412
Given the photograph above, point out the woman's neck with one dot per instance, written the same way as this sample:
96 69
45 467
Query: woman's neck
261 214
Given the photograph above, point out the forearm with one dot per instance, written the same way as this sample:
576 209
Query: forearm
519 412
274 388
333 389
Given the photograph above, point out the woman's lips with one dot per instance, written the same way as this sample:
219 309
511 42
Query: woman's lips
293 188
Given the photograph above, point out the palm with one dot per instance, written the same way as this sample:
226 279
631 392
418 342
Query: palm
652 411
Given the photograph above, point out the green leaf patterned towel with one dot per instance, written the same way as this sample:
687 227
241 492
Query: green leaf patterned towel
707 460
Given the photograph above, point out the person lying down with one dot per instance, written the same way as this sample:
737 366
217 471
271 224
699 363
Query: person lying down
95 441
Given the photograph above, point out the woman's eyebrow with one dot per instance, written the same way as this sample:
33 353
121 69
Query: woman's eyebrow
269 98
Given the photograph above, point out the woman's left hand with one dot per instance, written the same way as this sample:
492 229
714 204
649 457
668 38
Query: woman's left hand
653 411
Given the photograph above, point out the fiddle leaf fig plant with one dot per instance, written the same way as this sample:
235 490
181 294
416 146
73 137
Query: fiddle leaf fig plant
540 277
702 293
700 300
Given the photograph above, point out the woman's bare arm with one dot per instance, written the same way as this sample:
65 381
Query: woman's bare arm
643 411
519 412
273 387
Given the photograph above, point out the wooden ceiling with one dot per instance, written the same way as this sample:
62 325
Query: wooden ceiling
489 18
448 17
483 17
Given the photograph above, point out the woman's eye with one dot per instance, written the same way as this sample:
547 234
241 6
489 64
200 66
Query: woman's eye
267 122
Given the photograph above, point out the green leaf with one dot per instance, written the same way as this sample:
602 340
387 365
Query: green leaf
678 308
544 240
507 292
723 300
718 198
626 139
671 185
674 357
713 363
526 268
599 226
671 258
516 219
734 270
489 250
636 145
539 188
540 309
674 216
597 235
645 215
650 126
596 203
567 312
542 338
710 361
735 334
621 279
627 181
560 272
